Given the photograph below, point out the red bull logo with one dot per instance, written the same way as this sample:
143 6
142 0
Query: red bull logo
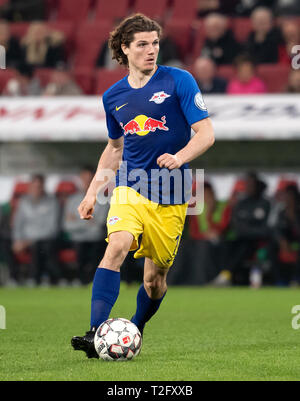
159 97
142 125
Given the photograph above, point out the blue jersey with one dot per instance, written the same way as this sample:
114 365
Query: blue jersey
154 120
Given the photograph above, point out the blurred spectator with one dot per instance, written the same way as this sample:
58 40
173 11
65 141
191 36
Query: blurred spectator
206 231
168 52
209 225
205 73
23 84
265 39
35 228
168 49
11 44
277 201
104 59
86 237
294 82
224 7
62 84
24 10
4 237
42 47
220 44
8 210
249 221
287 7
286 233
291 37
246 82
245 7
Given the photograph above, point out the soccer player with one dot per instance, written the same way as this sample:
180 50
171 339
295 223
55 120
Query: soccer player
149 116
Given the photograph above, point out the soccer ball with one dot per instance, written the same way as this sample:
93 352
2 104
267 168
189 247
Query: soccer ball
118 340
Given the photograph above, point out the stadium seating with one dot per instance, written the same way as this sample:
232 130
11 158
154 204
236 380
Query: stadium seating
285 182
198 35
111 10
68 10
67 28
67 256
5 76
105 78
86 27
275 76
51 9
44 75
89 39
241 28
65 188
288 257
23 257
226 72
84 77
20 189
238 187
153 9
181 33
185 10
19 29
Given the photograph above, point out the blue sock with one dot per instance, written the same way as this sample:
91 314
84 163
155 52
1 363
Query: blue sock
106 287
146 308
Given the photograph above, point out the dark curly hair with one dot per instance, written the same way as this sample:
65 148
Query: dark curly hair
124 34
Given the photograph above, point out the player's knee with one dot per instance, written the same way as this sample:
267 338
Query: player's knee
115 255
118 249
156 285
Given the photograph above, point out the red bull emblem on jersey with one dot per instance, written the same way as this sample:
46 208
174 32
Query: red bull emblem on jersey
159 97
142 125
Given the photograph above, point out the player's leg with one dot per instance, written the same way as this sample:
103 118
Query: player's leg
106 286
150 294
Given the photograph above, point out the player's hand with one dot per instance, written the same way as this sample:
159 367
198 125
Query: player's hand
86 207
169 161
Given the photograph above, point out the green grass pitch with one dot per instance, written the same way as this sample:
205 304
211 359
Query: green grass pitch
198 334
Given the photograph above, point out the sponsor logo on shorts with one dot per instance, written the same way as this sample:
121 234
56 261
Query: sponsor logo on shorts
113 220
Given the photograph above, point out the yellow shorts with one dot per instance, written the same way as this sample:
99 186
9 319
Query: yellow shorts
160 226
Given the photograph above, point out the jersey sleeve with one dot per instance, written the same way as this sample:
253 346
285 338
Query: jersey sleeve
114 129
190 97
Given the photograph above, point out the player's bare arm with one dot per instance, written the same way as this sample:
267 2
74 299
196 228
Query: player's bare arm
109 160
202 140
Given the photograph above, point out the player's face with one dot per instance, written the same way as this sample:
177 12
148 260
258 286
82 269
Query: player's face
143 51
36 188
